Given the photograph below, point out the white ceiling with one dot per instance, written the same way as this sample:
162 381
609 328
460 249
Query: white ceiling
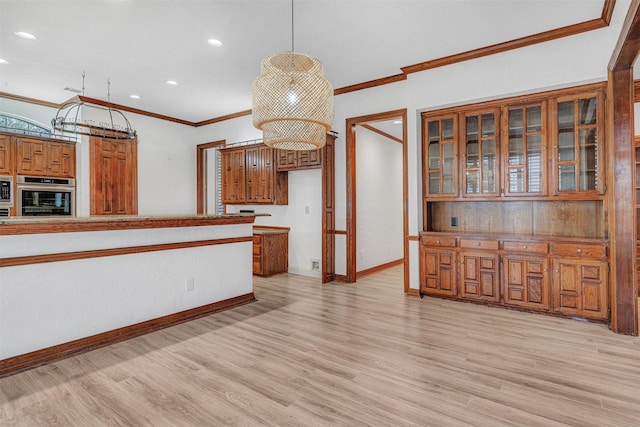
139 44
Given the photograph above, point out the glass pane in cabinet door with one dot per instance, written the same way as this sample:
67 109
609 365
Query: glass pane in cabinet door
587 112
588 180
565 115
472 154
434 155
472 181
489 166
434 131
447 169
534 119
447 129
566 146
516 180
434 183
516 151
567 178
488 125
515 122
534 160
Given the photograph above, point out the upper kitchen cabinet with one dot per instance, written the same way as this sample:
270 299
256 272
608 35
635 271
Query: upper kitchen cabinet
288 160
249 176
480 150
439 155
525 149
578 130
41 157
6 155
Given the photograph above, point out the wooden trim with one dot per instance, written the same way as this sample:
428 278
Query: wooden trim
621 142
607 11
518 43
351 189
134 110
271 227
626 50
31 360
413 293
328 210
201 174
371 83
378 268
636 91
340 278
73 256
223 118
379 132
413 238
106 224
29 100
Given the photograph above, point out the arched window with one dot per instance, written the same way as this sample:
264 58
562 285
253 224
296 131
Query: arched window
17 124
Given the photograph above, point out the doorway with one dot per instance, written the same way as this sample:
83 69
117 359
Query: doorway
372 130
208 199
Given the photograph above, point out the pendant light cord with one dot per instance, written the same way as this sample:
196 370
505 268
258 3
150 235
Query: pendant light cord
292 29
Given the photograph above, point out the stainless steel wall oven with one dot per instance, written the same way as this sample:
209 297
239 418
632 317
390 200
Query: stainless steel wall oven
43 196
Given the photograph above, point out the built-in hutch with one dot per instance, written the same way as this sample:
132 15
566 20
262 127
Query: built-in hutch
514 206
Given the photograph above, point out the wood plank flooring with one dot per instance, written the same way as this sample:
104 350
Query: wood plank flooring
308 354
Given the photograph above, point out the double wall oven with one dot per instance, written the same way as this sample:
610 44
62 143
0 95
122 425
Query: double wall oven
43 196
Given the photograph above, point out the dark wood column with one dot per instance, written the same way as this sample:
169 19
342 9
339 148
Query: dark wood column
624 292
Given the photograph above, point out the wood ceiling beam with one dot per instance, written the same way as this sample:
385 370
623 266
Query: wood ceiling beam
380 132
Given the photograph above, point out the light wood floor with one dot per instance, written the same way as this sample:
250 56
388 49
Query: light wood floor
307 354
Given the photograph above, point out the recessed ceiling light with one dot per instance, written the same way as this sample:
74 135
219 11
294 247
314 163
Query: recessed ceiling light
214 42
397 122
172 83
134 96
25 35
3 61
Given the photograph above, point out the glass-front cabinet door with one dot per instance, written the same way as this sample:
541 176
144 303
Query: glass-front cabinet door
525 150
480 164
578 145
439 151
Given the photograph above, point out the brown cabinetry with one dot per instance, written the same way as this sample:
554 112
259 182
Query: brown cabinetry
114 176
515 272
41 157
580 278
249 176
438 261
6 155
288 160
270 251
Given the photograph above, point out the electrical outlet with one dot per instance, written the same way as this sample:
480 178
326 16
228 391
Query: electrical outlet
306 210
315 264
189 285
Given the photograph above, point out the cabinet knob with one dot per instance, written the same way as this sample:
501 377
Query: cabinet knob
524 246
579 251
478 244
557 271
545 270
437 242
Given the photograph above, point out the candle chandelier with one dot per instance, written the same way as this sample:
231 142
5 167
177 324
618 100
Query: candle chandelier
292 101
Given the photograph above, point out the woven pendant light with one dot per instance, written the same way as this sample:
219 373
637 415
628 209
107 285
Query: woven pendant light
292 101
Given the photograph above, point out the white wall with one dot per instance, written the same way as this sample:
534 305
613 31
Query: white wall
379 233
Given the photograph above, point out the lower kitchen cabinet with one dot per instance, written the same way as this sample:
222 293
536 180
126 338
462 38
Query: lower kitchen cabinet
270 251
515 272
526 281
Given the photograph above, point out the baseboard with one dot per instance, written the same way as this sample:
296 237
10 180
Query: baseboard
413 293
378 268
27 361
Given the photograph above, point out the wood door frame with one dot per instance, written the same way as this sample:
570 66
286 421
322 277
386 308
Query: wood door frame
201 173
620 133
351 124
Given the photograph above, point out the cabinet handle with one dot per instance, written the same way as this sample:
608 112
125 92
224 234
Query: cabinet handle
579 251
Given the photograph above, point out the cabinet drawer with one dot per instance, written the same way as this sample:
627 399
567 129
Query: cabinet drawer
579 250
479 244
438 241
528 247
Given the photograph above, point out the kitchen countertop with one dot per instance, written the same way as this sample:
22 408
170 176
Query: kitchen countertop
40 225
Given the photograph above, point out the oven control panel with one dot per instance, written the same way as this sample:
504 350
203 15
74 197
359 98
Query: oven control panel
6 191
